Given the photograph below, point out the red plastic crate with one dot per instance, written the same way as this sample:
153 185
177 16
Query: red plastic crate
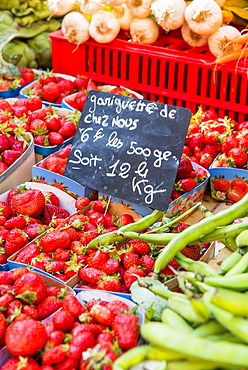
168 71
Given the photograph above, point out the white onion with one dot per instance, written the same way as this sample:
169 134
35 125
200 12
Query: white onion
75 28
61 7
144 31
169 14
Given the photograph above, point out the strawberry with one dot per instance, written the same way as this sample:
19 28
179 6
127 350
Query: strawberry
206 160
98 259
52 198
46 78
79 344
24 363
102 314
55 338
229 144
14 309
54 355
210 149
53 240
91 275
68 128
34 103
67 364
209 114
72 305
25 337
30 311
239 156
54 138
3 167
147 263
63 320
5 209
131 274
65 152
50 211
104 337
239 183
38 127
87 236
185 167
41 140
72 104
111 284
126 329
221 184
5 300
100 205
30 288
81 98
15 222
130 259
48 306
3 325
50 92
15 240
4 142
193 252
117 306
18 272
200 174
54 266
235 194
30 202
10 156
80 82
125 219
62 254
66 86
34 230
91 85
6 277
185 184
26 254
139 247
111 267
54 164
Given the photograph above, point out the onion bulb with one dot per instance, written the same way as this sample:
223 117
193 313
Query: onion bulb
89 6
144 31
169 14
124 16
113 2
220 42
192 38
203 16
104 27
139 8
61 7
75 28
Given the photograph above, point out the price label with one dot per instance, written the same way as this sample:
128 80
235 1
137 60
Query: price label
129 148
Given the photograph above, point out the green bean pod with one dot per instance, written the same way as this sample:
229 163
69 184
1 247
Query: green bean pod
204 227
240 267
116 236
161 292
211 327
231 301
185 309
242 239
142 353
195 266
174 320
235 324
191 365
192 347
230 261
236 282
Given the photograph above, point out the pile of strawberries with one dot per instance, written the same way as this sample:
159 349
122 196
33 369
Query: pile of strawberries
209 136
47 125
187 177
56 162
27 76
78 336
23 295
26 214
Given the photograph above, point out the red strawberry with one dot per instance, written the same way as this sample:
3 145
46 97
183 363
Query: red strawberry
185 167
30 288
125 219
53 240
5 300
111 267
55 338
4 142
79 344
41 140
63 320
193 252
3 325
98 259
91 275
102 314
54 266
34 103
130 259
185 184
72 305
48 306
209 114
68 128
54 138
52 198
51 211
100 205
206 160
6 277
30 311
62 254
31 202
54 355
111 284
81 98
80 83
3 167
5 209
221 184
117 306
50 92
34 230
15 222
131 274
229 144
26 254
24 363
72 104
25 337
10 156
15 240
38 127
87 236
147 263
18 272
239 156
197 139
139 247
126 328
54 164
46 78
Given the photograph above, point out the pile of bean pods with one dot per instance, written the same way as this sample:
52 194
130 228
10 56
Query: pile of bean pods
205 326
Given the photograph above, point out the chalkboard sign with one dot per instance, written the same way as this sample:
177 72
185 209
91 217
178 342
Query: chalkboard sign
129 148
